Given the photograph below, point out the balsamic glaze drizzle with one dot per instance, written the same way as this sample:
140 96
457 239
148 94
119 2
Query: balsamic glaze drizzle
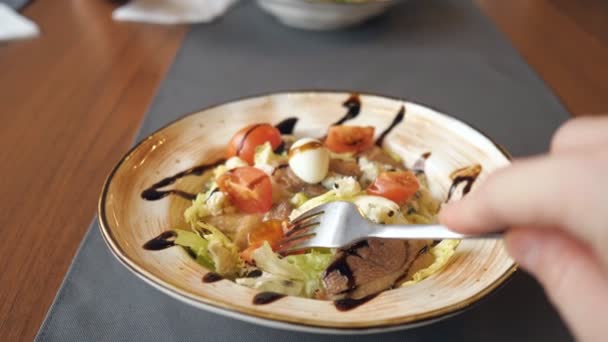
164 240
397 120
342 267
287 126
211 277
266 297
254 274
242 142
420 164
153 193
347 304
353 104
467 175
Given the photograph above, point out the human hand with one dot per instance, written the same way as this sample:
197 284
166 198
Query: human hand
556 206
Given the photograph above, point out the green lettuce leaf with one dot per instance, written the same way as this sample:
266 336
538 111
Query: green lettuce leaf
196 245
298 275
211 249
273 283
223 252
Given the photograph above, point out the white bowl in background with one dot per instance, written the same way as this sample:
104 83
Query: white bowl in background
324 15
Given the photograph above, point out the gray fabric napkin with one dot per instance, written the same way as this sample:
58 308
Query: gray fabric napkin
442 53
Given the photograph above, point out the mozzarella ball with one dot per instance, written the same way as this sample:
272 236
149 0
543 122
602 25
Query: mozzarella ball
309 160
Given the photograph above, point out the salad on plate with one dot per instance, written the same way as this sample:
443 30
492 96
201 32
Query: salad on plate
236 221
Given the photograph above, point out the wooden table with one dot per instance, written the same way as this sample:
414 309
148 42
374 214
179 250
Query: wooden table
72 100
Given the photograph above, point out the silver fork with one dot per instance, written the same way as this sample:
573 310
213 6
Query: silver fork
338 224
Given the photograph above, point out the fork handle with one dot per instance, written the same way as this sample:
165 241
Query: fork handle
426 231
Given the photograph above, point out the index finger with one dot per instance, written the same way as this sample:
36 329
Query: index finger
552 191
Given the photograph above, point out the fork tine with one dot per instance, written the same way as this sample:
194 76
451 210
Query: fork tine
307 215
296 238
299 228
286 251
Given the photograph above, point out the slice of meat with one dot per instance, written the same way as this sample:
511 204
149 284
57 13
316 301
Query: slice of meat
280 211
379 155
284 177
345 167
370 266
236 226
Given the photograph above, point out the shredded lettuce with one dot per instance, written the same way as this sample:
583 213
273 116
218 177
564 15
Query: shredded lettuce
223 252
231 163
442 252
296 273
196 245
313 264
266 160
347 156
212 249
211 203
348 188
273 283
269 261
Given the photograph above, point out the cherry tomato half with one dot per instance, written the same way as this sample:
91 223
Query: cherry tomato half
398 186
248 188
270 231
341 139
244 142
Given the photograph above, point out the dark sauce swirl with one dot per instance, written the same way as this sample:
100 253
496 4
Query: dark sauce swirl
154 193
347 304
341 266
420 164
353 106
254 274
164 240
467 175
212 277
287 126
250 130
266 297
396 121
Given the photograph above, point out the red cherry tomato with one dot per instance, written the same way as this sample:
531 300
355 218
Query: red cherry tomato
398 186
245 141
248 188
341 139
270 231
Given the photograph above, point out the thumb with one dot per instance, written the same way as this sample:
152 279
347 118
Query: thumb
571 275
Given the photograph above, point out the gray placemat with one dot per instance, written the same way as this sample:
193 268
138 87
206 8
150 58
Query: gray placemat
16 4
442 53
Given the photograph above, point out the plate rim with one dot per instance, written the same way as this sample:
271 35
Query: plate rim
394 324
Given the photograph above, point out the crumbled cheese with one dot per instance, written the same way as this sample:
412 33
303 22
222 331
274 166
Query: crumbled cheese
231 163
343 186
211 203
369 169
234 162
347 187
266 160
298 199
379 209
330 181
